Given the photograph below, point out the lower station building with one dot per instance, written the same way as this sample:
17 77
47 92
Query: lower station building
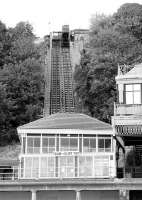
65 156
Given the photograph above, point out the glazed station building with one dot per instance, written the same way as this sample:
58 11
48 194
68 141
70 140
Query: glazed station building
67 145
67 151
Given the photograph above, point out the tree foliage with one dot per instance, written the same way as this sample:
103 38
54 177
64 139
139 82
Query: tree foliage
114 40
21 80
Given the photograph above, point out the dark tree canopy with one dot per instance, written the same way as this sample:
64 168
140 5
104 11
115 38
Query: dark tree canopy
114 40
21 80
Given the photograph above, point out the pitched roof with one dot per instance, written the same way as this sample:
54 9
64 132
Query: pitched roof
67 121
135 72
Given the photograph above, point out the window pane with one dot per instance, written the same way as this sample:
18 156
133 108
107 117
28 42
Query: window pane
137 98
43 167
29 142
67 168
137 87
51 167
28 167
85 166
101 144
64 144
86 144
92 144
107 145
36 145
22 168
51 142
36 142
69 144
129 88
101 166
44 142
30 145
129 97
35 169
48 145
74 144
51 145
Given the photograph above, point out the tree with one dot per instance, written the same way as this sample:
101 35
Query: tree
112 42
21 82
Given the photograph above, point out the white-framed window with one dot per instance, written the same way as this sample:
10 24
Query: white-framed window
104 144
85 166
101 166
89 144
31 167
48 144
33 145
68 144
133 93
67 166
47 167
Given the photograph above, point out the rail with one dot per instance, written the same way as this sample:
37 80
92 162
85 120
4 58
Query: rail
9 174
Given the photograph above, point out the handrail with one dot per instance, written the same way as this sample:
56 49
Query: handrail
56 173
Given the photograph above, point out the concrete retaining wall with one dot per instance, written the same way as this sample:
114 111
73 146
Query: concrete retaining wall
61 195
15 195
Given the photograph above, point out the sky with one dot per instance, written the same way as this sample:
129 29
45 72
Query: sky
49 15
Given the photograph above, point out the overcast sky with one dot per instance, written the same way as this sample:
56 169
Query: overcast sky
41 13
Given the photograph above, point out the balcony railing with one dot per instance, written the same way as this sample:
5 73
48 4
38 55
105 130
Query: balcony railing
68 172
15 174
127 109
7 174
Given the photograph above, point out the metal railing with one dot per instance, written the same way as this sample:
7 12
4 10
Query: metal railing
9 174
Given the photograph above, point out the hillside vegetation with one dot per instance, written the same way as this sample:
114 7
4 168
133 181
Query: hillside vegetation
21 80
114 40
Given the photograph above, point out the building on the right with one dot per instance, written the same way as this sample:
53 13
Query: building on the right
127 121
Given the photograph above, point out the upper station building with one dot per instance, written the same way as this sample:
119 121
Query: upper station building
127 119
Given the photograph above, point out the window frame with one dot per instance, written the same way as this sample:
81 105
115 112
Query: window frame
47 169
69 148
89 138
104 148
66 166
133 91
33 147
48 147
